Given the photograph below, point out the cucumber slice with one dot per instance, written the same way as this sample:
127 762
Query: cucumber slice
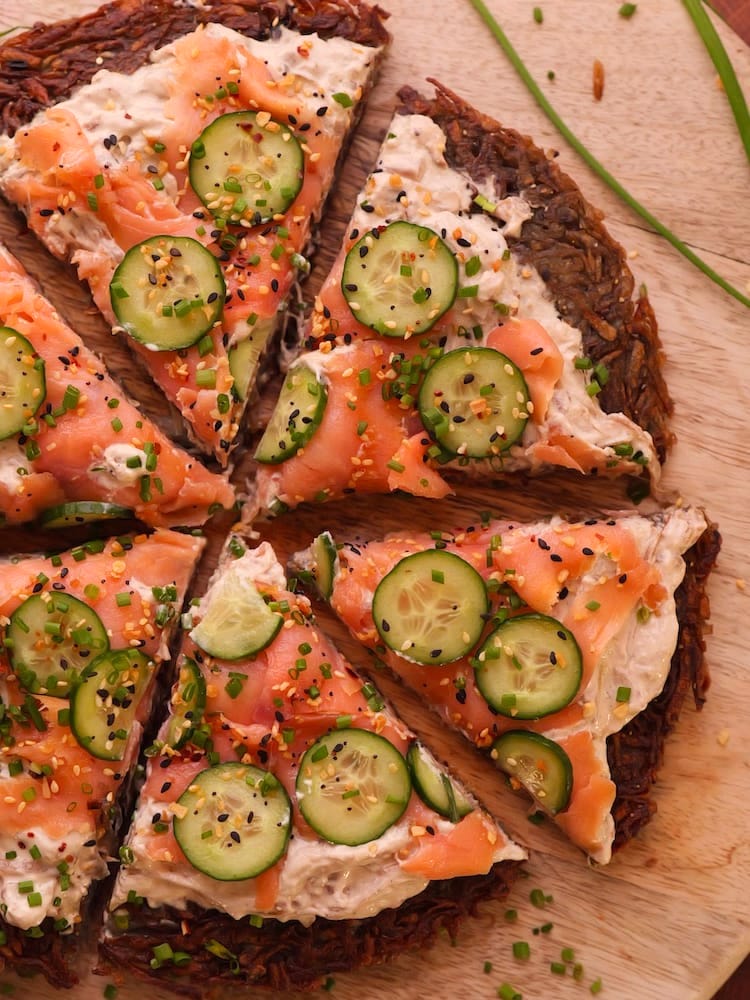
474 402
188 704
529 667
400 279
51 637
246 167
352 785
434 786
325 559
245 355
22 382
103 705
236 821
430 607
82 512
539 764
167 292
297 415
237 622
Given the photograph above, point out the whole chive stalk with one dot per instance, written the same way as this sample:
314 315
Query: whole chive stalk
599 169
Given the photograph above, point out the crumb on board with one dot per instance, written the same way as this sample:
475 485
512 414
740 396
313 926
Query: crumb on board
722 737
598 79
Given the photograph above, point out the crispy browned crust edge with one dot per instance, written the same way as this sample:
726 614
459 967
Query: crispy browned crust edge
636 752
583 267
46 64
283 956
54 956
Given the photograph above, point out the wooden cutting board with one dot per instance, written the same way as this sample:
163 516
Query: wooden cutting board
670 917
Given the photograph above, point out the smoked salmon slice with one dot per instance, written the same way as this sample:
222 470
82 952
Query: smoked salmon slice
264 699
547 637
113 166
82 439
439 349
83 635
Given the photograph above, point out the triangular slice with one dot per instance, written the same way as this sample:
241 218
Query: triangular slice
281 814
83 635
183 181
73 447
479 320
547 644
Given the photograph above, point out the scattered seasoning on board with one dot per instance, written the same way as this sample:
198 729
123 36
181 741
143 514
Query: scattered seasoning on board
598 79
563 964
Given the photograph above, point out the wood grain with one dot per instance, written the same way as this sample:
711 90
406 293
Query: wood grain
670 917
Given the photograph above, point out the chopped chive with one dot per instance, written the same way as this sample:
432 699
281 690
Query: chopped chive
71 397
593 605
206 378
627 10
116 424
521 950
567 955
472 267
487 968
623 694
507 992
484 203
538 15
122 600
596 987
537 898
93 201
511 916
558 968
343 99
